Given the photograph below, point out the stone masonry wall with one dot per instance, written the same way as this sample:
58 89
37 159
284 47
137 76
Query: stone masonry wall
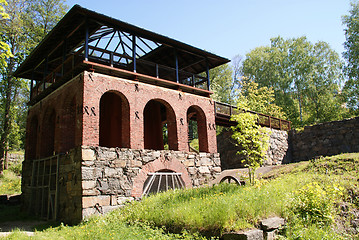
277 153
112 176
325 139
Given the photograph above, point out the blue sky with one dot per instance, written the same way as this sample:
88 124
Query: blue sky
231 27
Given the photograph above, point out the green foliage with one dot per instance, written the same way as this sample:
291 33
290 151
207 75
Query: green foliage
27 24
251 138
10 183
258 99
305 78
222 84
209 210
4 48
351 55
194 144
314 203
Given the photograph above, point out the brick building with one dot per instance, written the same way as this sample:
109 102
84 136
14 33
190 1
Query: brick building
110 109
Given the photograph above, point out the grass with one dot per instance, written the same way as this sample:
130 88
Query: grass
308 195
10 180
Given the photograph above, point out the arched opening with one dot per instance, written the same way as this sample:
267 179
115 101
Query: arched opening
162 180
69 126
197 129
114 120
48 134
32 139
160 128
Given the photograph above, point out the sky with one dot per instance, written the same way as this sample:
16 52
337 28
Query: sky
231 27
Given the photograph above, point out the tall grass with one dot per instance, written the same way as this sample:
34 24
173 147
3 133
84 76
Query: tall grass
216 209
10 183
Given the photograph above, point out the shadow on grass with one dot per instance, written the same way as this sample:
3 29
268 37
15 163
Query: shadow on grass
13 217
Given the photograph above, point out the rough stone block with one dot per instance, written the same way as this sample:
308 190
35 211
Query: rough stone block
217 169
106 154
90 192
103 200
119 163
123 200
88 184
188 162
204 170
192 170
110 172
254 234
271 235
107 209
88 163
206 161
271 223
88 154
88 173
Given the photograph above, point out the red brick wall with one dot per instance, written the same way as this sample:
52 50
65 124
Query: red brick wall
70 115
138 95
59 117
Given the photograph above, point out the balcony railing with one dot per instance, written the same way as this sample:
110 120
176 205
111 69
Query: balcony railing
118 61
224 112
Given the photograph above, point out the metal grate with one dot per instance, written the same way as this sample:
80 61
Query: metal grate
44 187
162 181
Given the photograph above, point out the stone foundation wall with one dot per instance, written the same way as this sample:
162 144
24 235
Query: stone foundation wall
325 139
112 176
96 180
278 151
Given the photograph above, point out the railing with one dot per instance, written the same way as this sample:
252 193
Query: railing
121 61
226 111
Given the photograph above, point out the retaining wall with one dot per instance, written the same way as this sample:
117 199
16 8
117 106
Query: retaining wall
325 139
278 151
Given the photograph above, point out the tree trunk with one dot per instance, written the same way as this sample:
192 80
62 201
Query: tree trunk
6 126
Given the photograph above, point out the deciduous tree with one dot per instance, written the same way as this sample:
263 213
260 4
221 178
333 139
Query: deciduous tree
351 55
305 78
28 23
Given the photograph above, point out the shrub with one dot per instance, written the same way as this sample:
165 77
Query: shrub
314 204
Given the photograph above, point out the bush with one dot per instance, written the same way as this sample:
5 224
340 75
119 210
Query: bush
16 168
314 204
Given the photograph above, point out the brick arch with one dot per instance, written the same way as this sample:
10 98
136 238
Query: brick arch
164 162
32 138
48 133
154 119
196 113
114 129
68 123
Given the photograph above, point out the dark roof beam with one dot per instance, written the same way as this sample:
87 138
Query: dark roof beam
122 45
108 43
134 45
145 43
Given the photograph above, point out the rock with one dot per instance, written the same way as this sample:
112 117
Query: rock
254 234
88 184
271 235
271 223
103 200
88 154
204 170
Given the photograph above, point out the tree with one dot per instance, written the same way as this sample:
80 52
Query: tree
4 48
305 78
251 138
222 83
351 55
28 23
